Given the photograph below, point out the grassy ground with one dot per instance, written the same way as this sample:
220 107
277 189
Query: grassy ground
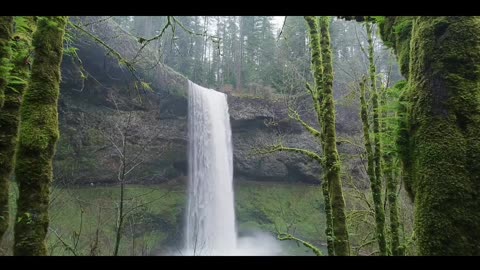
83 219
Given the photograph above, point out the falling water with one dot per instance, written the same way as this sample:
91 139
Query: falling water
210 213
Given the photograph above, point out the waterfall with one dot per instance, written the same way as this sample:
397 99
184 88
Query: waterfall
210 226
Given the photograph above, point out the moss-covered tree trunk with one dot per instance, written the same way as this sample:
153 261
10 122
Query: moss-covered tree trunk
376 181
38 134
323 76
332 159
444 128
316 94
392 189
6 31
328 219
392 170
367 140
9 115
440 146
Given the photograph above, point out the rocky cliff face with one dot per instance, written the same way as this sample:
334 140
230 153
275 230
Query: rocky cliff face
102 108
158 133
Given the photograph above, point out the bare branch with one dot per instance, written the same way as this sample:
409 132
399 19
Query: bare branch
66 245
95 22
133 167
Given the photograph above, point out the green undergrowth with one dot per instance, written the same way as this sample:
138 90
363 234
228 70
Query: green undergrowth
155 221
83 218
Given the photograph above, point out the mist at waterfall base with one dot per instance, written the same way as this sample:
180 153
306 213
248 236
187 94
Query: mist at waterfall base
210 218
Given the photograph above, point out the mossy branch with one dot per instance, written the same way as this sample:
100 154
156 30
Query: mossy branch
293 114
281 148
310 89
285 236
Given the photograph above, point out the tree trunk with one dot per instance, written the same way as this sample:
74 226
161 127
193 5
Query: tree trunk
38 135
332 160
323 76
9 116
444 84
6 31
376 182
328 218
392 187
370 159
393 171
441 145
317 101
239 64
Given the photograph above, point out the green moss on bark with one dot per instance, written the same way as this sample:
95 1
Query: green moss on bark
316 94
322 94
328 218
376 181
332 159
444 128
9 115
392 172
396 32
403 137
6 31
38 134
376 189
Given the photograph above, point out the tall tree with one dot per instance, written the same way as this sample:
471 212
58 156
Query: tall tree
332 159
317 95
10 113
322 95
376 181
38 134
240 55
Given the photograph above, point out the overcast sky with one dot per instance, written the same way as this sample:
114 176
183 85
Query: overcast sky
277 22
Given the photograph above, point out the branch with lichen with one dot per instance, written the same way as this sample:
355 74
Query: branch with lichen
286 236
280 148
293 114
